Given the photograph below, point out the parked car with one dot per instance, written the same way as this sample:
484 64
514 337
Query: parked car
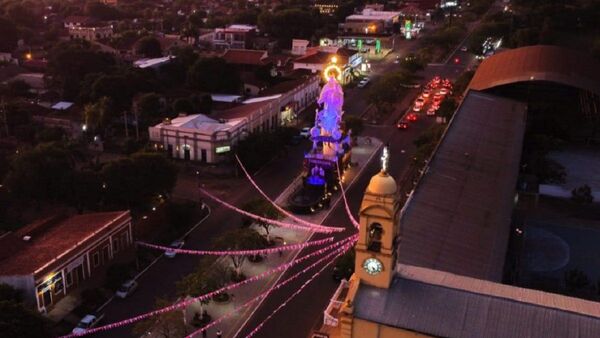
175 245
411 117
463 49
126 289
305 132
363 83
402 125
86 323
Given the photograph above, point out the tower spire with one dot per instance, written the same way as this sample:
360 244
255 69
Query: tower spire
385 158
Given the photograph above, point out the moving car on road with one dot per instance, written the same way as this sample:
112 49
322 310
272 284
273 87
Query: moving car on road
431 111
402 124
411 117
86 323
363 83
126 289
176 245
305 132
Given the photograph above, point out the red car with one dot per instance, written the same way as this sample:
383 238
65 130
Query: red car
411 117
402 125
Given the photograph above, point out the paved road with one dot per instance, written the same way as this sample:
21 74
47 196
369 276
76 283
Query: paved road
160 279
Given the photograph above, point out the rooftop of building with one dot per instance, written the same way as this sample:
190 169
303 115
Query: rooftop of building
458 219
246 57
538 63
238 28
443 304
30 249
369 14
322 57
200 123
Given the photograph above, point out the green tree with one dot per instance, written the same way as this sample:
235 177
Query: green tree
582 195
168 325
18 321
214 75
135 181
101 11
149 106
149 47
97 115
8 35
43 173
240 239
18 88
118 88
262 207
209 276
183 105
9 293
69 63
447 108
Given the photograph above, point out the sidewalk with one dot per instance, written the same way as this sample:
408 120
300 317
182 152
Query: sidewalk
361 154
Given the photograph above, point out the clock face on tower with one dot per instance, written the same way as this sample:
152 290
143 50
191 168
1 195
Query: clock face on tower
372 266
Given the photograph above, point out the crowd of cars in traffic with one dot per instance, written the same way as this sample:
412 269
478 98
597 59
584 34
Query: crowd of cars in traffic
428 101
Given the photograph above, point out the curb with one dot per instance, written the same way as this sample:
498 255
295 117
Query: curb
160 256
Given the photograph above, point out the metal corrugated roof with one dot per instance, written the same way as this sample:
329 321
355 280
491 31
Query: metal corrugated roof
446 305
458 219
538 63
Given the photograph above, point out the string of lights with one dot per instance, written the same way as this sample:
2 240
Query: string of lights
282 305
314 228
267 251
209 295
335 253
343 191
280 209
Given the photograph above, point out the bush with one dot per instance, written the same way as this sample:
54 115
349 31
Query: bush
582 195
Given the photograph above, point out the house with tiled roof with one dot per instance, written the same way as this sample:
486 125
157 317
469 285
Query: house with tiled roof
51 258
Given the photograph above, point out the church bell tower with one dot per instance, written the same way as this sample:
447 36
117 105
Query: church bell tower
375 249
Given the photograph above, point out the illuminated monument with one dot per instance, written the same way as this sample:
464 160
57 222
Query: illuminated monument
331 148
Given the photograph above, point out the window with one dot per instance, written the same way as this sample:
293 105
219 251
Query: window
374 237
96 258
105 253
116 244
69 277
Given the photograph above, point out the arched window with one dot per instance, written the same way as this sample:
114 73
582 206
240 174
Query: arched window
374 237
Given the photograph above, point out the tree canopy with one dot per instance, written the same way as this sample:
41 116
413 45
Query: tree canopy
149 47
18 321
214 75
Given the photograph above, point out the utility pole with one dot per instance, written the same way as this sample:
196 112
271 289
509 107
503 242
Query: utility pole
125 121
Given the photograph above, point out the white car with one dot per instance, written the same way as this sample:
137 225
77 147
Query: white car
419 102
463 49
174 245
126 289
305 132
363 83
444 91
86 323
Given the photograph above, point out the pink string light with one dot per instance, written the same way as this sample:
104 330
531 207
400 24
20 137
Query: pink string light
209 295
335 253
316 228
267 251
280 209
348 212
282 305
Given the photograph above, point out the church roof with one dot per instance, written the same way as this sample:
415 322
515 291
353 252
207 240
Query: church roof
442 304
382 184
458 219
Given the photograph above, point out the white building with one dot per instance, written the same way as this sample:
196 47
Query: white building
370 21
207 139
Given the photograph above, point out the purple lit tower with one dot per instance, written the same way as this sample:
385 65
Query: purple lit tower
330 148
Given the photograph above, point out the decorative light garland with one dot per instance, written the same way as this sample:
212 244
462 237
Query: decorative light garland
343 191
335 253
280 209
209 295
259 326
321 229
267 251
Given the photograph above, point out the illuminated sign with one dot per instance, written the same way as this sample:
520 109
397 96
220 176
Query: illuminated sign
224 149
